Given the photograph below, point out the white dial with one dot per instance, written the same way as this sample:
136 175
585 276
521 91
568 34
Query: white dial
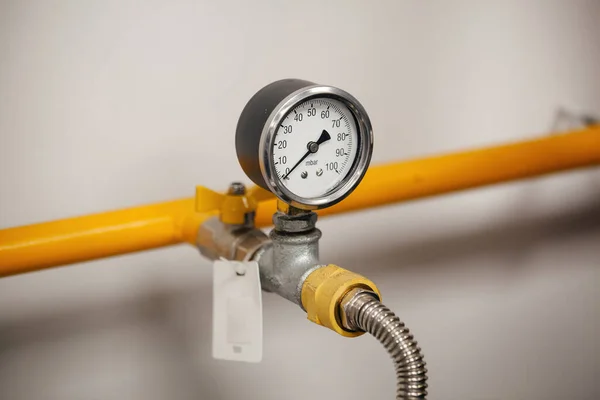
315 147
309 144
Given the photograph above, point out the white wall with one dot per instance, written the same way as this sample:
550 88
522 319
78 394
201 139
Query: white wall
112 104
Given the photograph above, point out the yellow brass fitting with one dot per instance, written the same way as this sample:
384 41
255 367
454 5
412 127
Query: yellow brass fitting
323 291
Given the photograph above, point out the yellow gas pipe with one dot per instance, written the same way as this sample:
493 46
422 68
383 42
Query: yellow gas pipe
72 240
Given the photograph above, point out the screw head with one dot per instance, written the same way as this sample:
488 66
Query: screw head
304 174
319 172
237 188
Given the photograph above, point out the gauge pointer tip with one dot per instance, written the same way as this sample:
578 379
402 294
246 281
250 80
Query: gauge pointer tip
324 137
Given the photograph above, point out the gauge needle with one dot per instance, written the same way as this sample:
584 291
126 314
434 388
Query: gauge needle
312 147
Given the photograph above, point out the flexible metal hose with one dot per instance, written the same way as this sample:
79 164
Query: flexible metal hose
365 312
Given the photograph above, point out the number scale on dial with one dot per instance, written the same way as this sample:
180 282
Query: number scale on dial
315 147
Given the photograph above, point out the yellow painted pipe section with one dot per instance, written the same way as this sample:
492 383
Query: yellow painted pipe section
45 245
415 179
66 241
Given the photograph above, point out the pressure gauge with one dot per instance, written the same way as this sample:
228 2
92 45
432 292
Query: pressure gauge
309 144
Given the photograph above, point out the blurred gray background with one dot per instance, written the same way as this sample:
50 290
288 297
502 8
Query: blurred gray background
110 104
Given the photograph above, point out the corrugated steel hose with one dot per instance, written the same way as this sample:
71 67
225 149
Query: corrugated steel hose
364 311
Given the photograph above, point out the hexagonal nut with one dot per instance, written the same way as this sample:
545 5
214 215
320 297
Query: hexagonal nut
350 303
294 223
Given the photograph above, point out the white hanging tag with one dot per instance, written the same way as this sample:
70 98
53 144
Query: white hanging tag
237 311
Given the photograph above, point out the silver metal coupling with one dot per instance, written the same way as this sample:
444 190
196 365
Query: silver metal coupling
232 242
294 223
292 255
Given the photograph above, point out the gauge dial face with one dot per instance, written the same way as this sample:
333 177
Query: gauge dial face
315 147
